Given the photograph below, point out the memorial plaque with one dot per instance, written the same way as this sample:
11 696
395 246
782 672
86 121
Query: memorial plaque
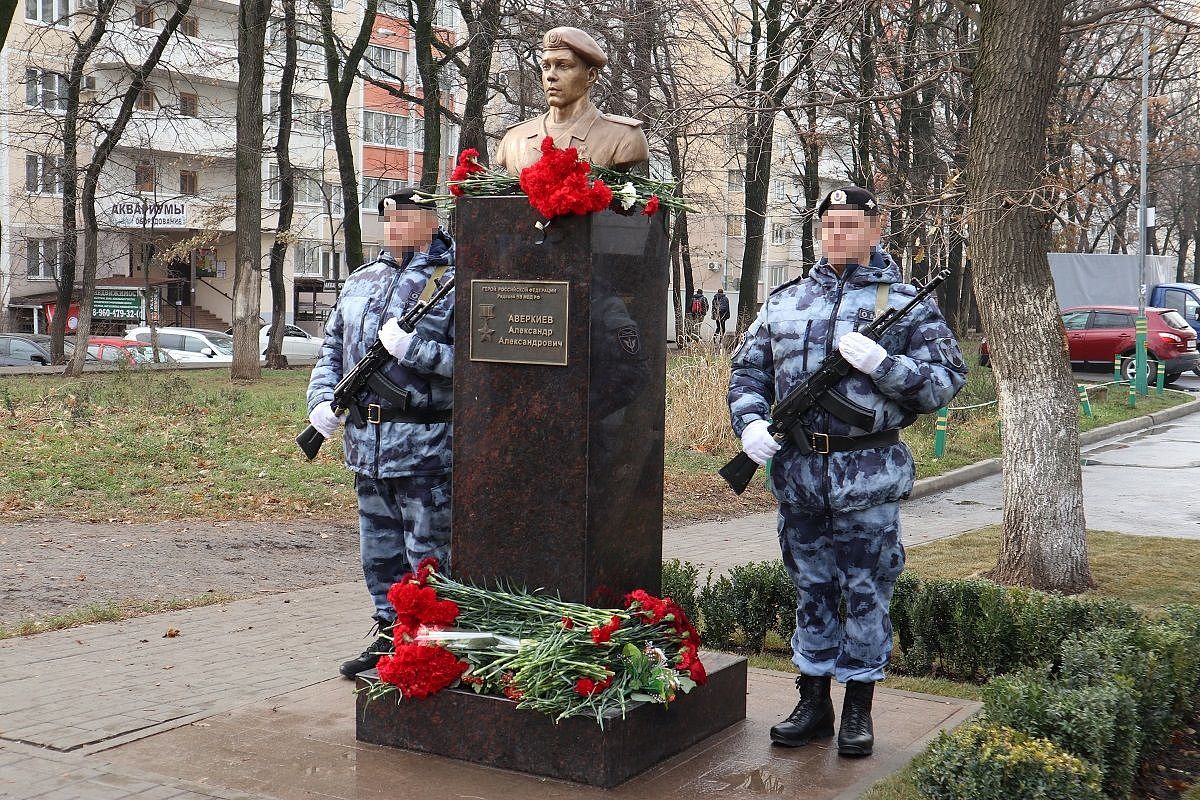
519 322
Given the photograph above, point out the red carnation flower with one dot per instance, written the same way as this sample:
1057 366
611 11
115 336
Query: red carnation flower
697 673
604 633
651 206
418 605
419 670
467 166
557 184
586 687
568 623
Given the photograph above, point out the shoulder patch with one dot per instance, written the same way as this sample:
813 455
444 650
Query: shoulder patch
630 121
785 285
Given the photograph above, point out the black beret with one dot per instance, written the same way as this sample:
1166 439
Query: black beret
852 197
406 198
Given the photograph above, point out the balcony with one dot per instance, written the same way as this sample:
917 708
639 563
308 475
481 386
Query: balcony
164 132
209 61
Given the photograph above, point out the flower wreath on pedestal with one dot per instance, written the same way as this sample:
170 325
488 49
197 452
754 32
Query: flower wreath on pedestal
560 183
564 659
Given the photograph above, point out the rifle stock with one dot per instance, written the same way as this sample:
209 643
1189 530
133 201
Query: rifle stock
739 472
310 442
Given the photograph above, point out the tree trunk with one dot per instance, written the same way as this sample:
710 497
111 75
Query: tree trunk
91 179
247 275
428 70
483 28
287 189
341 65
68 250
1044 544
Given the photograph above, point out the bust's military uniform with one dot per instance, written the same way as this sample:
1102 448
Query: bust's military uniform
606 140
398 435
839 525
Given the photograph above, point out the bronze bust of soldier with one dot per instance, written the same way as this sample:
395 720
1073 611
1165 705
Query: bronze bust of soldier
571 62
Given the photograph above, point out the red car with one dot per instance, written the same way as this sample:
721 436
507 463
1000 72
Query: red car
111 349
1096 335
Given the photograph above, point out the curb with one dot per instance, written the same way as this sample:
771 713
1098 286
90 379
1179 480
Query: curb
982 469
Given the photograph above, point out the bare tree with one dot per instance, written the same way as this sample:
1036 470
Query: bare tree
1044 543
287 192
341 68
91 177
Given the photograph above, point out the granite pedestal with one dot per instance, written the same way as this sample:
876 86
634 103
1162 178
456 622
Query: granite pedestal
559 403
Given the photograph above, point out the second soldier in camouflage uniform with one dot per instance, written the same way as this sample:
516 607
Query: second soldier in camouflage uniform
398 435
839 526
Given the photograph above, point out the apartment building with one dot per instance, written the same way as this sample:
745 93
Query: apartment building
166 198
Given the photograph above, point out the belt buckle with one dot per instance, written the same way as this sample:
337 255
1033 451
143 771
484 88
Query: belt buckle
374 413
819 449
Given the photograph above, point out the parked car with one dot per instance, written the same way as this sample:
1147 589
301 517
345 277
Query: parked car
28 349
189 344
1096 335
296 341
111 349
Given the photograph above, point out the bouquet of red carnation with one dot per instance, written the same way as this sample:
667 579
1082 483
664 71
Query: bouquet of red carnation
559 658
558 184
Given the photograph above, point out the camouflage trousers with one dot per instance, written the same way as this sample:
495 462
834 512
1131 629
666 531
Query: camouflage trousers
852 558
401 521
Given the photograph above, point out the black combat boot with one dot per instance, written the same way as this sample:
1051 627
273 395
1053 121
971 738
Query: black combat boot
370 657
856 736
811 719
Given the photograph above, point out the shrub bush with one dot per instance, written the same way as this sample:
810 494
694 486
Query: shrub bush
1096 722
679 582
718 619
764 599
987 762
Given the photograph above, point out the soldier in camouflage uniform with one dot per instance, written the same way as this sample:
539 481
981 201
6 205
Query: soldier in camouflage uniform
838 503
398 435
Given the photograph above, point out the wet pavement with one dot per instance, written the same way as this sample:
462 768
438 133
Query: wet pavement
239 703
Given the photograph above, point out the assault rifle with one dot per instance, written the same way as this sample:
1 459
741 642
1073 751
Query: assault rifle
356 380
817 390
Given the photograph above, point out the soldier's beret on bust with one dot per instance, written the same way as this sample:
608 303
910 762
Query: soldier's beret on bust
574 39
406 199
852 197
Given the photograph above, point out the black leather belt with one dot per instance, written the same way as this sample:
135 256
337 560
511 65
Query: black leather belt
375 414
823 443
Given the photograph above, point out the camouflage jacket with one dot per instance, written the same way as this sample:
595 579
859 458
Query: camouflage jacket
373 294
798 326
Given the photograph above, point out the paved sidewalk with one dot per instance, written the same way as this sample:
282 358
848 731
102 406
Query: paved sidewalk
72 702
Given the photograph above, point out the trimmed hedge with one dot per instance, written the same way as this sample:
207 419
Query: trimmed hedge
1082 690
981 762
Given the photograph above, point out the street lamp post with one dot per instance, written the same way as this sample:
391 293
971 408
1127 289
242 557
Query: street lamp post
1143 223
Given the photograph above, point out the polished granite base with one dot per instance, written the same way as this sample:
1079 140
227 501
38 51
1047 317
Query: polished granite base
492 731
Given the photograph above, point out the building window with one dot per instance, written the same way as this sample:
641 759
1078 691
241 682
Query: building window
143 16
43 262
386 64
735 180
393 130
189 182
143 177
43 174
190 26
308 115
45 89
778 190
332 199
189 105
375 189
48 12
146 100
733 225
780 233
313 259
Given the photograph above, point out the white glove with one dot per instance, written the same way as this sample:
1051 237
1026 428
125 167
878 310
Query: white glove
758 443
324 420
861 353
395 339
